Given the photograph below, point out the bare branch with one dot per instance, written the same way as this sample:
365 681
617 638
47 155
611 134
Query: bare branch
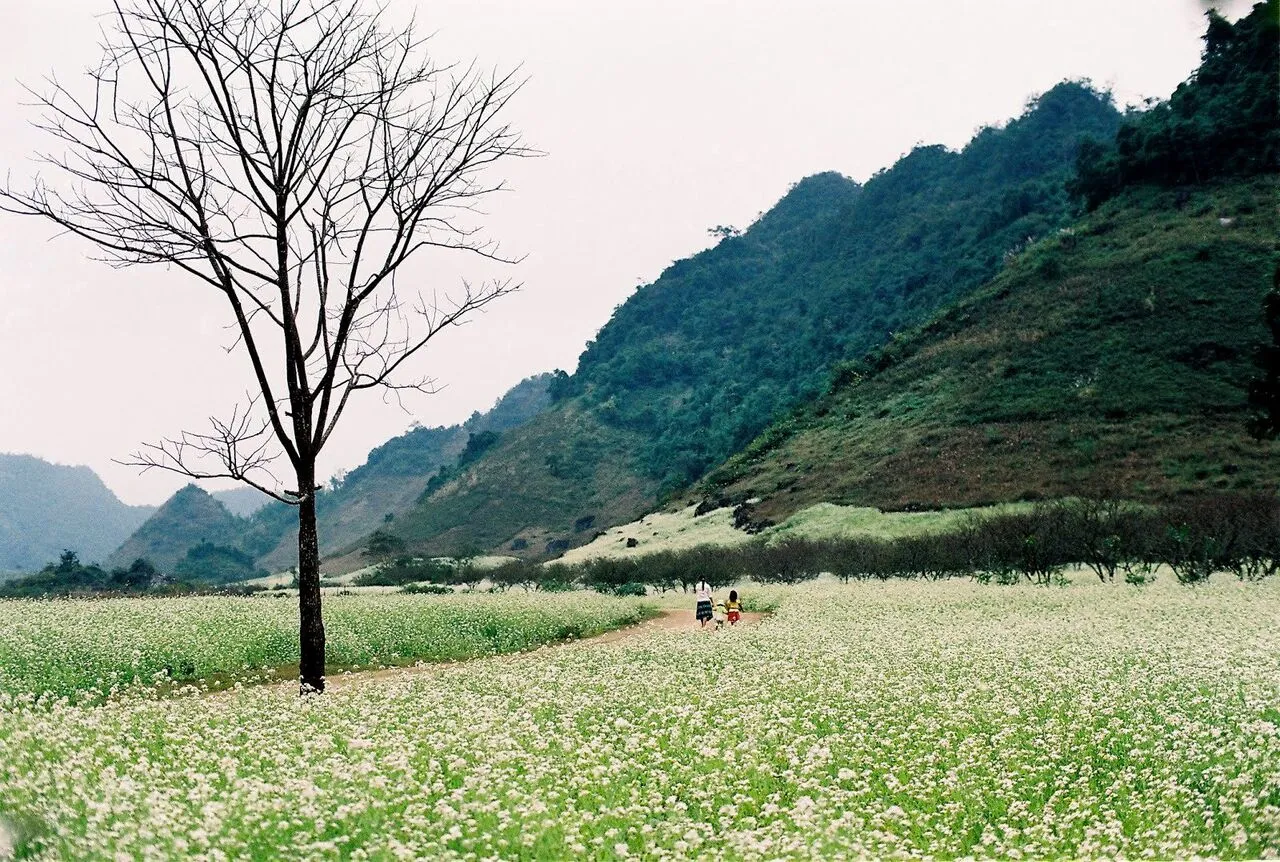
240 446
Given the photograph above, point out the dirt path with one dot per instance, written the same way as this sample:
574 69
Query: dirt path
668 620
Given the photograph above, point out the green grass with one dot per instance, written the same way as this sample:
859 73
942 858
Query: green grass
877 720
683 530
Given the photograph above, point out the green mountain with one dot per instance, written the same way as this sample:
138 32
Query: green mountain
45 508
187 519
693 366
390 481
1111 357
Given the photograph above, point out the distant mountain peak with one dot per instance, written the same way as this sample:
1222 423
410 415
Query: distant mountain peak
188 518
46 507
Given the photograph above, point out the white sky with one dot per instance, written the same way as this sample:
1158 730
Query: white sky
660 119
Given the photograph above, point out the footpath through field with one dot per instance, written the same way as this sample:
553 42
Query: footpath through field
667 620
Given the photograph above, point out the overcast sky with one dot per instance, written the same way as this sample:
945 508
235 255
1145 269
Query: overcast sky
660 119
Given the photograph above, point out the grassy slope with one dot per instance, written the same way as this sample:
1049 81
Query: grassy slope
393 478
1112 358
364 502
685 529
535 485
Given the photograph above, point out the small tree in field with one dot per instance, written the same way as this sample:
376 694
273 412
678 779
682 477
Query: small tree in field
291 155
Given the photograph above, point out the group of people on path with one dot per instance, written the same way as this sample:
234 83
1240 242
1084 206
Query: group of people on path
709 610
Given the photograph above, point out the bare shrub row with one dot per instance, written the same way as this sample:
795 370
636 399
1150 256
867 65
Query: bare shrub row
1194 538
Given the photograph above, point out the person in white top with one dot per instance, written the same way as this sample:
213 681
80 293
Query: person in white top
703 593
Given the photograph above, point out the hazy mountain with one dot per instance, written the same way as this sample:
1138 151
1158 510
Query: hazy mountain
241 502
45 508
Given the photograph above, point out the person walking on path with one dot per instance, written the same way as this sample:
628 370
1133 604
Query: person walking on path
703 595
734 607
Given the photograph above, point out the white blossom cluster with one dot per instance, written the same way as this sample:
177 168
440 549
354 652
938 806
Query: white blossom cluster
86 650
891 719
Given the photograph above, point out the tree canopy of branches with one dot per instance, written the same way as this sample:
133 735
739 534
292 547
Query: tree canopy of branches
291 155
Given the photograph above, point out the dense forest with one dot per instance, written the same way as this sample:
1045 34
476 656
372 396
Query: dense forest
1222 121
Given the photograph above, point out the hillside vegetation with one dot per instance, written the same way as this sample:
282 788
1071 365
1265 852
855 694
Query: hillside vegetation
396 474
693 366
1112 358
390 481
1222 121
189 518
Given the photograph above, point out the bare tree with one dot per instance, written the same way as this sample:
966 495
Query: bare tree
291 155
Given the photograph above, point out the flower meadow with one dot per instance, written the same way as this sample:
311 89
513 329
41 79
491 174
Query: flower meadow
85 650
894 719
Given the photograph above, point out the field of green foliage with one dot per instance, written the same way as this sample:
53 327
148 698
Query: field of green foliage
895 718
83 650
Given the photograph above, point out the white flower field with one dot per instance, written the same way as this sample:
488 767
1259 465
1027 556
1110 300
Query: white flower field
897 719
85 650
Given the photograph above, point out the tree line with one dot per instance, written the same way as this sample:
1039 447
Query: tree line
1219 122
1117 541
72 578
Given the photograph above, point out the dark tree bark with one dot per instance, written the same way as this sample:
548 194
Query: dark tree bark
311 623
291 155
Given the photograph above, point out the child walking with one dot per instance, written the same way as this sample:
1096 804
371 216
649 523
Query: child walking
733 607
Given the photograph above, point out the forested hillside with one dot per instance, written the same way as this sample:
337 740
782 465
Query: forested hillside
1222 121
45 508
694 365
187 519
1110 358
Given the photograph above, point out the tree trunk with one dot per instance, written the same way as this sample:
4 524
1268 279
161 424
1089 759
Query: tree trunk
311 634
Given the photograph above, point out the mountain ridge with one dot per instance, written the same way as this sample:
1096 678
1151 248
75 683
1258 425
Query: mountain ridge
47 507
